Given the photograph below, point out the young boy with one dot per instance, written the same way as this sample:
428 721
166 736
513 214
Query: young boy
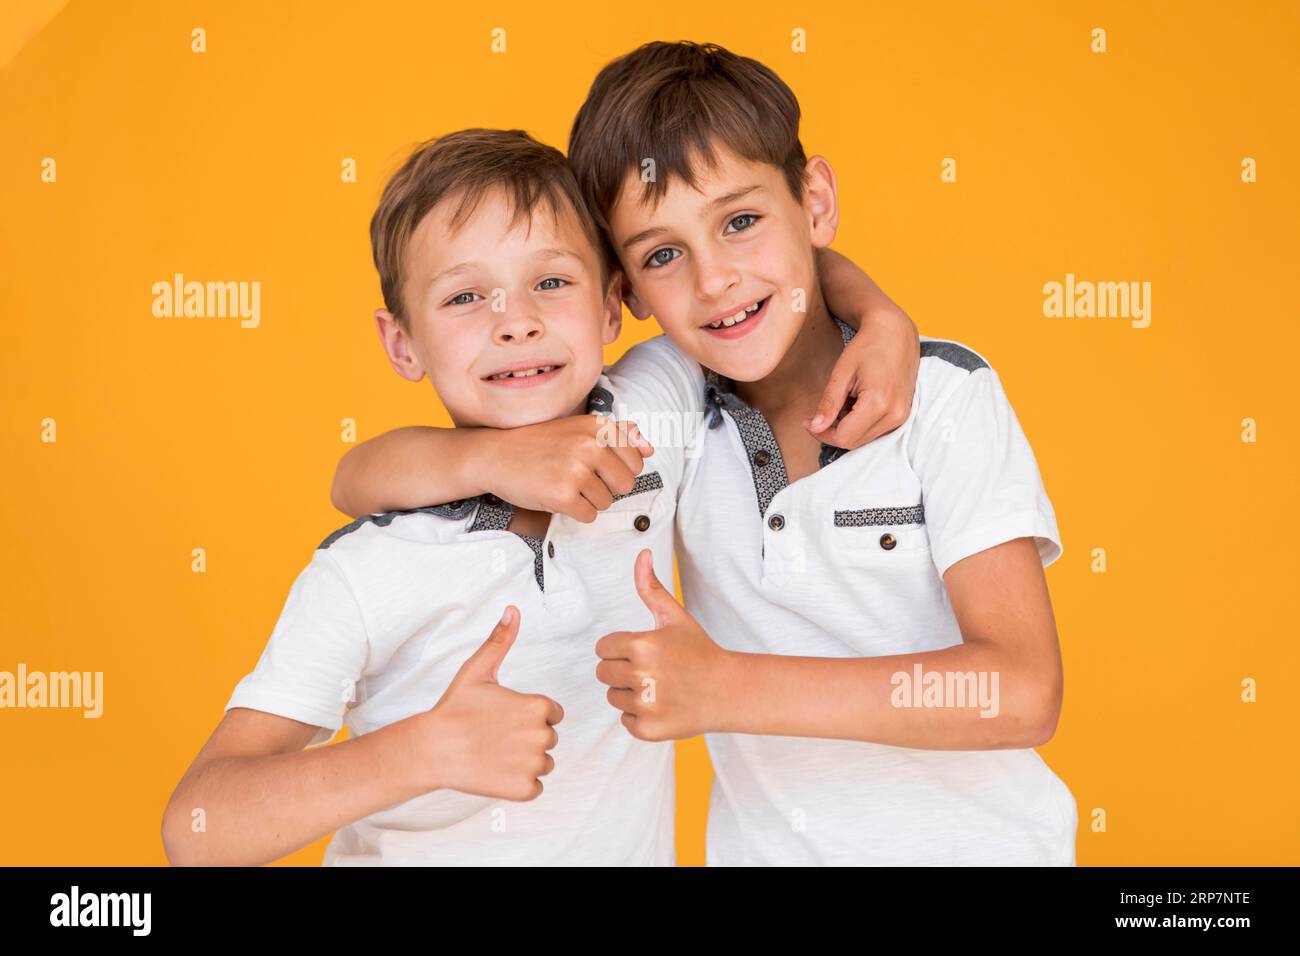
496 288
870 649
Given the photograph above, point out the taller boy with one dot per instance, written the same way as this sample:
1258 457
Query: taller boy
823 582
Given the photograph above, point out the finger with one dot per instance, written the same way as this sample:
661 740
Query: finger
579 509
484 662
837 390
615 647
618 674
639 442
624 700
625 434
554 712
596 492
617 471
548 767
654 595
632 458
868 419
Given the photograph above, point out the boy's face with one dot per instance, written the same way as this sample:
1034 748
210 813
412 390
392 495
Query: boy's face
491 298
737 249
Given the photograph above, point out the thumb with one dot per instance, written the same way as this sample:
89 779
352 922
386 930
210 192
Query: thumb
834 395
482 665
654 595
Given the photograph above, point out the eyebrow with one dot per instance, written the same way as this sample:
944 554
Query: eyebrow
554 252
450 271
726 200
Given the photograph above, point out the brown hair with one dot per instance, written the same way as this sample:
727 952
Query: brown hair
465 165
670 102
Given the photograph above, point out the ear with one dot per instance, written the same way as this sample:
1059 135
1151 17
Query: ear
397 344
634 303
613 324
821 201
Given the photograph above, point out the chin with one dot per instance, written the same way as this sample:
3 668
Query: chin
749 363
522 411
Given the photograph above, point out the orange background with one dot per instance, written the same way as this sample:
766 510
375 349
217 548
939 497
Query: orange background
182 433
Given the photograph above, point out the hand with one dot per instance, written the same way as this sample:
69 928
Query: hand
670 682
572 466
481 737
877 369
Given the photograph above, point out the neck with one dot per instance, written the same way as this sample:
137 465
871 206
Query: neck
796 384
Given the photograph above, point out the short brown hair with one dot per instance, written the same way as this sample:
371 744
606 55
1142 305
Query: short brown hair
465 165
670 102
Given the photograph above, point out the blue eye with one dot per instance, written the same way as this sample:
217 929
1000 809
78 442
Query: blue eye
749 219
657 258
546 288
463 298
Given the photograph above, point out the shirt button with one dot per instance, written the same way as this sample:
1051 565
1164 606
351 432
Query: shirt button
776 522
761 458
642 522
550 548
453 505
492 500
888 541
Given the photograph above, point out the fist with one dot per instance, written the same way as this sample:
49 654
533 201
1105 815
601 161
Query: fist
483 738
670 682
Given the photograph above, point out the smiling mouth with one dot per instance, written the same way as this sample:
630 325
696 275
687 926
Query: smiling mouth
522 373
739 317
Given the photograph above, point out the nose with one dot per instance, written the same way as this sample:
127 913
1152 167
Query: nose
715 274
518 323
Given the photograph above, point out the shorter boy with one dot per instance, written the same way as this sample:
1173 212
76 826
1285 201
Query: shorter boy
385 627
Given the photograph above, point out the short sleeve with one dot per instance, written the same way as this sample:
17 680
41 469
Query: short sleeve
315 656
980 484
662 390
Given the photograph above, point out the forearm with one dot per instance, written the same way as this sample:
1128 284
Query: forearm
258 809
850 293
859 698
406 468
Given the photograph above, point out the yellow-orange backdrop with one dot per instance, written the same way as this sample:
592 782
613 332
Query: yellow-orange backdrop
175 434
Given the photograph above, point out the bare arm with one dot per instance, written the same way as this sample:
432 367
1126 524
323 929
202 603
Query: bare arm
872 384
570 466
851 293
263 796
1000 599
406 468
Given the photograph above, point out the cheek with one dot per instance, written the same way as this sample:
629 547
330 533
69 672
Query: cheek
669 297
451 360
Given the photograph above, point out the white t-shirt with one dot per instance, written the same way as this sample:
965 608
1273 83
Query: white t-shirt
849 562
391 606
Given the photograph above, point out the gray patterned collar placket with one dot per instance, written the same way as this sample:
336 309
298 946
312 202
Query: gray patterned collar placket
761 448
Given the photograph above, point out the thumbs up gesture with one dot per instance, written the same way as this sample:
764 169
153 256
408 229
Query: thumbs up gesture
483 738
671 682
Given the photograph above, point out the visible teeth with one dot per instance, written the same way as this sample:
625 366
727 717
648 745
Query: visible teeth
731 320
523 373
